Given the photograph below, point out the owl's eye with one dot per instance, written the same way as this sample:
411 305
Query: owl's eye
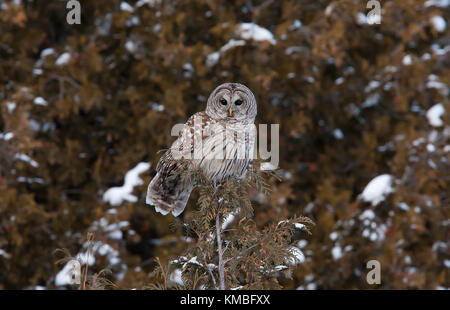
238 102
223 101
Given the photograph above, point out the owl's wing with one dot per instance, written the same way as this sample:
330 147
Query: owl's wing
171 194
183 147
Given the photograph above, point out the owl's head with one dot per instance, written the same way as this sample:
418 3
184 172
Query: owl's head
232 101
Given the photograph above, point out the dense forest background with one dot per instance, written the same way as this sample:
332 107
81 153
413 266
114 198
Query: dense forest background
83 106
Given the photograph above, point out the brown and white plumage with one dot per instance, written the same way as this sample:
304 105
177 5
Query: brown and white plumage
219 141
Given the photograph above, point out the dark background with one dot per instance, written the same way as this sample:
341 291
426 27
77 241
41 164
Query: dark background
132 75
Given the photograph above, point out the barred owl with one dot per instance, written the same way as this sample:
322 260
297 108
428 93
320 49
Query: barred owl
219 141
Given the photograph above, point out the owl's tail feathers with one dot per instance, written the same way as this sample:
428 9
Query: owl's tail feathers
168 196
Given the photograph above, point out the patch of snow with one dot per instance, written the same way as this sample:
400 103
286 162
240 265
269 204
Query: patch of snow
438 23
329 8
309 278
407 60
377 189
432 136
70 274
157 28
104 24
440 50
10 106
30 180
418 141
157 107
439 246
298 256
116 195
432 164
310 79
188 67
229 219
334 235
431 148
114 261
366 233
27 159
434 115
132 21
408 259
47 51
299 226
433 82
186 239
251 31
213 58
124 6
391 69
297 24
281 267
175 277
193 260
309 286
361 18
111 211
371 101
40 101
403 206
4 254
37 71
231 44
293 49
302 244
179 261
339 81
6 136
426 56
373 236
438 3
149 2
338 134
367 214
63 59
83 257
268 166
130 46
371 86
115 234
336 252
105 249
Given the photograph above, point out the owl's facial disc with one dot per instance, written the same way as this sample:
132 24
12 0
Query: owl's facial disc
232 101
231 105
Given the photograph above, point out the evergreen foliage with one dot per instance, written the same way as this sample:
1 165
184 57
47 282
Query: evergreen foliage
241 256
351 99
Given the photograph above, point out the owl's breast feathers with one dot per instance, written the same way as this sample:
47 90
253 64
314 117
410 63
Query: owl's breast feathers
220 149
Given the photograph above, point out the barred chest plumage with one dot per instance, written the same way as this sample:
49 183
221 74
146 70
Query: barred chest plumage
225 150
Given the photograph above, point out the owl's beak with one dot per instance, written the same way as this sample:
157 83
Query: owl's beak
230 112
